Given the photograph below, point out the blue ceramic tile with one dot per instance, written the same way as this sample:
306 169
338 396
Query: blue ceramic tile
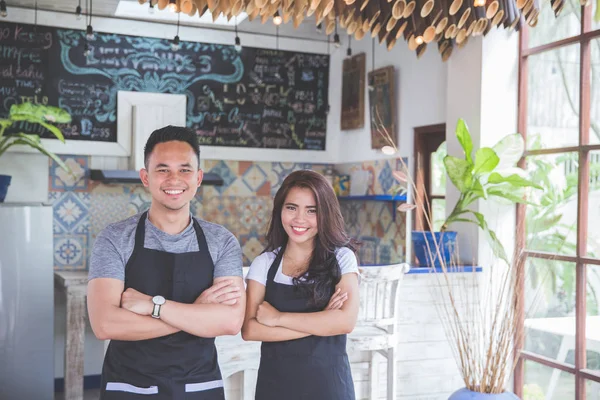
71 212
254 177
386 179
226 174
70 251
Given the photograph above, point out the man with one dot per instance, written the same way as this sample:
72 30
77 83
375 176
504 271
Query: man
163 285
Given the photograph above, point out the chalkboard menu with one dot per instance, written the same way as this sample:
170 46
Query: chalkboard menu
253 98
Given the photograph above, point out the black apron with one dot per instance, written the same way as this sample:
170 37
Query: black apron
179 366
311 368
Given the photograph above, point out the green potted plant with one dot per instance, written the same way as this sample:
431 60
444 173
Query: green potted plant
45 116
485 173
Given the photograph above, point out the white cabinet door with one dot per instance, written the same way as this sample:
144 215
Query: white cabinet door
140 113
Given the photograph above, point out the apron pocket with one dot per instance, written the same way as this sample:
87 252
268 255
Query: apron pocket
125 387
200 387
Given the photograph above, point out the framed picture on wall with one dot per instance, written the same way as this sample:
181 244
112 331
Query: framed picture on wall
382 105
353 92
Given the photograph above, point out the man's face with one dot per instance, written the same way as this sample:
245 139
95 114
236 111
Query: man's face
172 176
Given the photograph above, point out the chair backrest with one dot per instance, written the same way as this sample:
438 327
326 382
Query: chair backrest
379 294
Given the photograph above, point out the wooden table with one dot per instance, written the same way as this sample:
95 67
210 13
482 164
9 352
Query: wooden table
73 284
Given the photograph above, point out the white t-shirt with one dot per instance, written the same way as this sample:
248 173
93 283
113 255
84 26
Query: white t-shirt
259 269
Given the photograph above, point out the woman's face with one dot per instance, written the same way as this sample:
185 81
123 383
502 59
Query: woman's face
299 215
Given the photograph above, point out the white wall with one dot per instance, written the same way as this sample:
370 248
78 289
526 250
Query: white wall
421 86
482 89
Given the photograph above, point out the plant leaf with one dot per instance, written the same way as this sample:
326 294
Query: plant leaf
34 112
479 190
504 193
399 176
404 207
510 150
464 138
459 172
513 179
480 219
497 247
54 130
26 140
485 160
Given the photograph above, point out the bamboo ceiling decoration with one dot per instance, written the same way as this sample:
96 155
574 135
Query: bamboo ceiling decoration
421 23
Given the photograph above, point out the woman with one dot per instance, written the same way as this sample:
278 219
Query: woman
302 295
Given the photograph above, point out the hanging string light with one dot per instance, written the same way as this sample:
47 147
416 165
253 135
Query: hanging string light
3 12
349 51
336 37
277 20
175 44
78 14
89 32
238 42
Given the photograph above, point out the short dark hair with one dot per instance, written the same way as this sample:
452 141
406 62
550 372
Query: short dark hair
170 133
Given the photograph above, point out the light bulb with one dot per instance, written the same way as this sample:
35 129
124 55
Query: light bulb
86 50
319 27
78 12
3 12
277 20
388 150
238 44
479 3
419 40
172 5
175 44
89 33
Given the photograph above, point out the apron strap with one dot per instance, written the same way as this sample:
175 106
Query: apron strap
140 231
202 244
275 265
140 236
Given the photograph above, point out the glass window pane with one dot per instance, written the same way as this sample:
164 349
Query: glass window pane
550 309
592 333
439 213
553 98
595 23
550 28
438 171
593 236
595 91
551 221
592 390
545 383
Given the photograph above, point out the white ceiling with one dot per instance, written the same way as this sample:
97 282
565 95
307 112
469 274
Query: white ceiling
106 8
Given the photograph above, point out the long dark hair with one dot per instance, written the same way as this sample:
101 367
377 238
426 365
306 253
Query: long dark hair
323 271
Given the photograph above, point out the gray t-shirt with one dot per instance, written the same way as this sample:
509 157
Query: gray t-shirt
114 246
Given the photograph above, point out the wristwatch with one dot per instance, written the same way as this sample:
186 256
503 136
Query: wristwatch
158 301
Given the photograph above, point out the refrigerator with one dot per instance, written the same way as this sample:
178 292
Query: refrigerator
26 302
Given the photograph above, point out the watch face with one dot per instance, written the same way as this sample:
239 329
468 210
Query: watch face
158 300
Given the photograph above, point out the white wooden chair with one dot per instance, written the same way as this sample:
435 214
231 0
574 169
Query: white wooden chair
375 330
237 355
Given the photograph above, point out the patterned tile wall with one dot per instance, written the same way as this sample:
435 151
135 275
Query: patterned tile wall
82 208
380 228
